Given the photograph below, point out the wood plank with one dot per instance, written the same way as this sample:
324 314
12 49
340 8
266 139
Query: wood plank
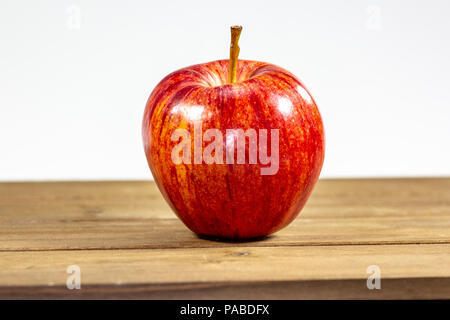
417 288
121 215
171 233
406 271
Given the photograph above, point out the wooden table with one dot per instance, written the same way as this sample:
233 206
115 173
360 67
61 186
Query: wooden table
128 244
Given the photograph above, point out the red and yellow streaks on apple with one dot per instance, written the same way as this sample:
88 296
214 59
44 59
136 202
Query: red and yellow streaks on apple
235 201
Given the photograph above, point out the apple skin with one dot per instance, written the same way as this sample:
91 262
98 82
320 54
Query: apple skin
234 201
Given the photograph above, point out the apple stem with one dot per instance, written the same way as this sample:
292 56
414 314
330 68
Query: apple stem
234 53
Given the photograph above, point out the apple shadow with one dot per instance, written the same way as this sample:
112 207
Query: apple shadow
235 241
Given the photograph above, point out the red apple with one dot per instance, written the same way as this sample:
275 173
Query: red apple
228 198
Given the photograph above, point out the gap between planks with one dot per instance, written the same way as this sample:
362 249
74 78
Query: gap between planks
232 245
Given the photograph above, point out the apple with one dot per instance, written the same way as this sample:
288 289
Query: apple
235 146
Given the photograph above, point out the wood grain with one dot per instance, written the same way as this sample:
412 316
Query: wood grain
408 288
208 268
128 243
71 215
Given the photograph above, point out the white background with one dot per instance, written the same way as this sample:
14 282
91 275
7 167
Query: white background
75 77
